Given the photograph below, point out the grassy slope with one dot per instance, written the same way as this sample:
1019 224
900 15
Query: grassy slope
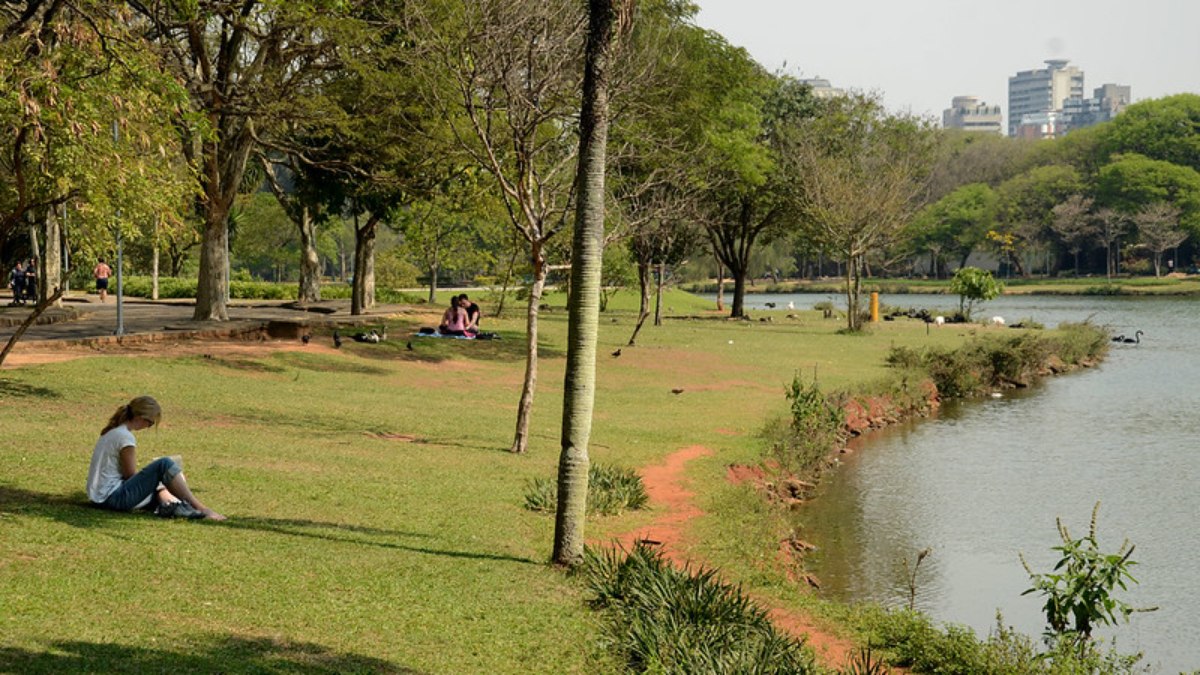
348 551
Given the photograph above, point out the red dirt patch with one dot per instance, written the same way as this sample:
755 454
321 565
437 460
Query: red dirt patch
664 484
741 473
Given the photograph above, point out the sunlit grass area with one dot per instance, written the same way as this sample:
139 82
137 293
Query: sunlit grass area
375 516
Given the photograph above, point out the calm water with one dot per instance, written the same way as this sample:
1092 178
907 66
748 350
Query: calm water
986 479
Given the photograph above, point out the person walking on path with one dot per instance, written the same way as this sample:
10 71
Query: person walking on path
102 272
16 281
31 286
114 482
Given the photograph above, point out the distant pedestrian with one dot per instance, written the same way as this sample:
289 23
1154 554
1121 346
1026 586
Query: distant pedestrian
31 287
16 281
102 273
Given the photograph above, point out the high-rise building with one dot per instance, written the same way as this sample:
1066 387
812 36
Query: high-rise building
968 113
1042 91
1106 102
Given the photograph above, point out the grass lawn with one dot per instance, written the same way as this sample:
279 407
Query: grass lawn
375 517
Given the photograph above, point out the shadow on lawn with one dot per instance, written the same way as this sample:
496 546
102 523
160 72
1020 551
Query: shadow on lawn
216 654
74 509
313 529
11 389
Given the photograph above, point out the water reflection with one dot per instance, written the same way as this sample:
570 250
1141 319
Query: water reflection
985 480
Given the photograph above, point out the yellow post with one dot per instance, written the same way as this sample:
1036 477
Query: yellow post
874 307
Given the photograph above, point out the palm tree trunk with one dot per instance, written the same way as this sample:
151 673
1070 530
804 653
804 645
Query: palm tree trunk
579 387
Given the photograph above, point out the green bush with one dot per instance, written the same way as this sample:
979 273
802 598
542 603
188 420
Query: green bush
665 620
814 428
611 490
913 641
995 361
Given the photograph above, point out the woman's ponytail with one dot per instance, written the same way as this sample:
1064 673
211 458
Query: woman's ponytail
142 406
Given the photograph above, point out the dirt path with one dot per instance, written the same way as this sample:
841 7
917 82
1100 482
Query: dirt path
665 484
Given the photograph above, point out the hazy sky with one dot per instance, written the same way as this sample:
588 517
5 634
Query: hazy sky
921 53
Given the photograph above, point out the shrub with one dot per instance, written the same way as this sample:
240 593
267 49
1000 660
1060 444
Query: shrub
666 620
611 490
995 361
815 427
973 285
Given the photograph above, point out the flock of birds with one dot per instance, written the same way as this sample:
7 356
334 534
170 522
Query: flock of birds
372 336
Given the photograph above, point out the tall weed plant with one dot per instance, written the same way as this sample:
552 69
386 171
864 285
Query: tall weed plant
814 428
665 620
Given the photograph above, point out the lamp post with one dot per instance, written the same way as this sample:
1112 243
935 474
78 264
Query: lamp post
120 258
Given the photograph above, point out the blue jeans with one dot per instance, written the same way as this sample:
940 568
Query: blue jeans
143 484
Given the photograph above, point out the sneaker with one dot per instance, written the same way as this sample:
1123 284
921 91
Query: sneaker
177 510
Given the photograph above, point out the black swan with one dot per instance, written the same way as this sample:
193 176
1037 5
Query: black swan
1136 339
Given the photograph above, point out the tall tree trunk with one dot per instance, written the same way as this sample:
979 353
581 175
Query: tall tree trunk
579 385
525 405
154 269
310 264
662 274
720 286
739 293
50 263
644 306
211 286
852 294
362 295
433 274
34 248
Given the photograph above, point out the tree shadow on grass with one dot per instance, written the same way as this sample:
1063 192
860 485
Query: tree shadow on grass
216 654
328 532
74 509
11 389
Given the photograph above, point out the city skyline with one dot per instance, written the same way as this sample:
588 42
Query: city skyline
921 55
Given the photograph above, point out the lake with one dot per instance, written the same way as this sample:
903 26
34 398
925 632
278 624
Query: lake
985 479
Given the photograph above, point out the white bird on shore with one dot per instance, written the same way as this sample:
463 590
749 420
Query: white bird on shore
997 321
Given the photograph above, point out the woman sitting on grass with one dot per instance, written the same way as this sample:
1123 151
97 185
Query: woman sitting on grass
114 481
454 321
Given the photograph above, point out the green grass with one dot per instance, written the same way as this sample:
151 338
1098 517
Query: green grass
376 520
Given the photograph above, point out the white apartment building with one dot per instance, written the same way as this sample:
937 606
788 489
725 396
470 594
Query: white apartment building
970 114
1031 92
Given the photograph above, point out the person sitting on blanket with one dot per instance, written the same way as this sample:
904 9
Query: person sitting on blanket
473 314
454 321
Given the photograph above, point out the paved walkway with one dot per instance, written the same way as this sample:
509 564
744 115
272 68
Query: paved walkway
84 319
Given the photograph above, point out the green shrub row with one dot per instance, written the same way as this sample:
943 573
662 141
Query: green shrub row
995 361
666 620
913 641
611 490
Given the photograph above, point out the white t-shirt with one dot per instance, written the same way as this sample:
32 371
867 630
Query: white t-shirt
104 473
